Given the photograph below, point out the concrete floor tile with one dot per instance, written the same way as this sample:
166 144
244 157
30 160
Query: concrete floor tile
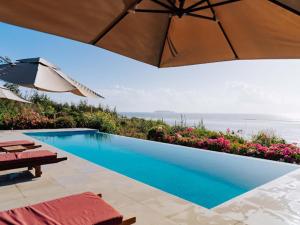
11 204
195 215
34 199
10 193
167 205
39 187
144 215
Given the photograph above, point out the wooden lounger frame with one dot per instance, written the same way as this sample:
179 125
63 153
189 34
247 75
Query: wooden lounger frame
32 164
127 221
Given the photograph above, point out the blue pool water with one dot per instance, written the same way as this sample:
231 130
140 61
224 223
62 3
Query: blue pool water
203 177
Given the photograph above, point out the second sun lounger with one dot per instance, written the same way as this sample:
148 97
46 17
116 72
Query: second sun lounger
17 146
30 159
81 209
16 142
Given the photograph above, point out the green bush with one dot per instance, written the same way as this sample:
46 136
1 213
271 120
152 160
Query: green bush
157 133
102 121
200 133
80 119
64 122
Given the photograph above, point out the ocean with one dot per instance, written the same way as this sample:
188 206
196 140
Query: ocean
248 124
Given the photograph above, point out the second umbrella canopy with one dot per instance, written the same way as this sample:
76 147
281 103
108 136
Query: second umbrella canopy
42 75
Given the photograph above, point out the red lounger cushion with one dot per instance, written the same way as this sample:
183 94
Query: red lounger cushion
26 156
14 143
81 209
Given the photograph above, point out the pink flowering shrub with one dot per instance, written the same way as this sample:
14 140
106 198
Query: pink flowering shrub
231 143
27 118
219 144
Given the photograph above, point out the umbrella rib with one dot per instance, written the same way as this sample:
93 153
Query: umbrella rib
163 4
194 5
223 30
114 23
201 16
213 5
172 3
164 41
285 7
228 40
181 4
152 11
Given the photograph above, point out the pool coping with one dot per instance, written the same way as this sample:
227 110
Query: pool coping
227 211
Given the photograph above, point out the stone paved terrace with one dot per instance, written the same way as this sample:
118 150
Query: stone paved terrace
275 203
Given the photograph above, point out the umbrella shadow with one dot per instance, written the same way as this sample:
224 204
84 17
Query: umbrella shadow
15 178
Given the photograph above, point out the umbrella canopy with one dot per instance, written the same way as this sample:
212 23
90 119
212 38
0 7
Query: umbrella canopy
40 74
291 5
7 94
168 33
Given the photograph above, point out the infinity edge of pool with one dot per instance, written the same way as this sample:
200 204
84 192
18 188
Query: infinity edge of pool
209 178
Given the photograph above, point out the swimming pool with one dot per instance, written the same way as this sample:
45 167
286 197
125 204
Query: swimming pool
204 177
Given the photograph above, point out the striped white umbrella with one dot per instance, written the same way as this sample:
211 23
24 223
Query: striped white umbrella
42 75
7 94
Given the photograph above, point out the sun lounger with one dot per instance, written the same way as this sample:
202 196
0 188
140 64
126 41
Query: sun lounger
16 142
17 146
30 159
81 209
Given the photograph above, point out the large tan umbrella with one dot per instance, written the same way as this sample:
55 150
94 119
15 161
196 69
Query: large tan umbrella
7 94
168 33
42 75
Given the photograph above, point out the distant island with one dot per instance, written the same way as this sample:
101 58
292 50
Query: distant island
165 111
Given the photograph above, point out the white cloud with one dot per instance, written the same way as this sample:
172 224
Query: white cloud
232 97
132 99
253 94
227 97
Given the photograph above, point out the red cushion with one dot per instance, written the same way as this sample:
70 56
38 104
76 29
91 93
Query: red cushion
26 156
82 209
35 154
7 157
17 142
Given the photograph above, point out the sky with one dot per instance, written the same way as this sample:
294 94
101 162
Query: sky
260 86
